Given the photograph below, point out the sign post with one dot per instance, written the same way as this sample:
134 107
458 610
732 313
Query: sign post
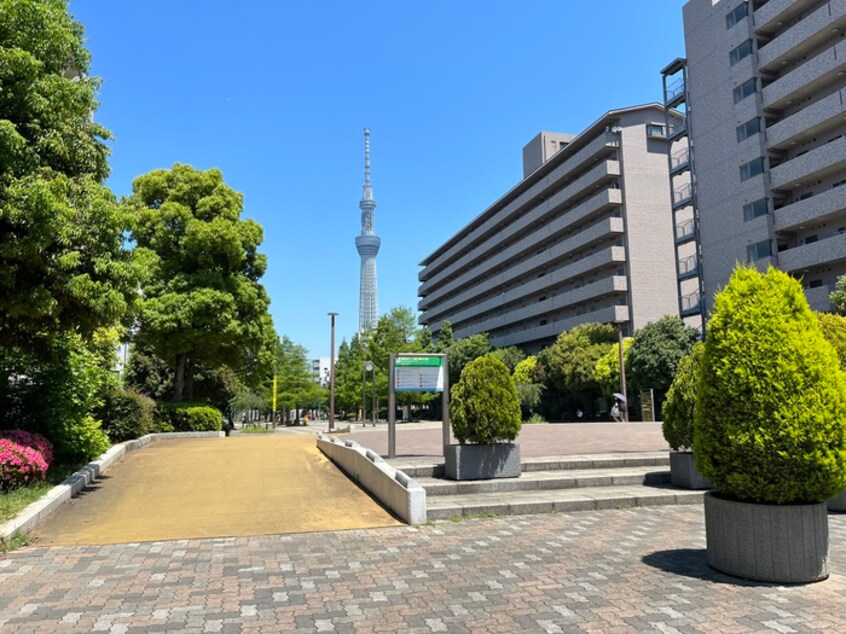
416 373
647 405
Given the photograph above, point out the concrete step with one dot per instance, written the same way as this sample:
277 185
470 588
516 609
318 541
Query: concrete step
546 480
559 500
434 467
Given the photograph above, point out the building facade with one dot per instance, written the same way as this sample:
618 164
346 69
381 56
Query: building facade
766 88
586 236
320 371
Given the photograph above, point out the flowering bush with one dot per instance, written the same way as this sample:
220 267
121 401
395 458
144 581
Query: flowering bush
19 465
33 441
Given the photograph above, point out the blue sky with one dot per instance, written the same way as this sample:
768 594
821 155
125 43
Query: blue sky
276 94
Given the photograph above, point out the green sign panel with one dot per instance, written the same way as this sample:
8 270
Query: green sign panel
419 373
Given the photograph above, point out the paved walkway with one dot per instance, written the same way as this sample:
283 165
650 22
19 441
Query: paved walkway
215 487
638 570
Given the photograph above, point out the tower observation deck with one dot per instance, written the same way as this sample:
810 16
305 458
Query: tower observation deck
367 244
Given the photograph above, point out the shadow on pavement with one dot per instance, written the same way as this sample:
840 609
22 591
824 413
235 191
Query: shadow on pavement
692 562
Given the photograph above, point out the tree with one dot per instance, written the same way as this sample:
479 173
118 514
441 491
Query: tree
462 351
510 356
64 266
834 330
769 424
484 405
444 336
655 354
348 373
837 297
203 300
569 362
293 373
606 372
680 404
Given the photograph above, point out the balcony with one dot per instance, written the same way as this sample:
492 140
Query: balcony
685 231
688 267
469 290
678 128
806 123
814 164
680 160
604 315
682 195
804 36
601 174
690 304
615 284
816 209
824 252
674 94
806 79
768 15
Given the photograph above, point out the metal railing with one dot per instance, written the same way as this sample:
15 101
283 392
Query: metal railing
685 229
674 89
682 193
679 158
687 265
690 302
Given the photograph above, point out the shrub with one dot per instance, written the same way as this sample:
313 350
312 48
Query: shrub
126 414
680 404
188 417
834 330
19 465
769 424
485 407
33 441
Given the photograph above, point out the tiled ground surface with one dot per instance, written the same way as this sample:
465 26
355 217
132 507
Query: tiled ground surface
608 571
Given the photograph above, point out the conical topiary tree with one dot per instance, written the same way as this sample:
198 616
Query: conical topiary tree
485 407
680 403
769 422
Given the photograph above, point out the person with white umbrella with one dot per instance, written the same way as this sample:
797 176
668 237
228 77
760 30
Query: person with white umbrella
618 410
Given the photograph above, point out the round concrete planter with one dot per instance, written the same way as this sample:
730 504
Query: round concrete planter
482 462
838 503
683 471
767 542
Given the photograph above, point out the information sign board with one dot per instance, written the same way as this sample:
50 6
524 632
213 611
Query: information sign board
419 373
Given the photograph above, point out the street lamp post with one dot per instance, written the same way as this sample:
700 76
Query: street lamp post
368 367
332 375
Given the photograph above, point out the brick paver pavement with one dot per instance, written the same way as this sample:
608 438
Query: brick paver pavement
612 571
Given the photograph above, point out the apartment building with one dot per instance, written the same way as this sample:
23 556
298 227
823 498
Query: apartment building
764 82
586 236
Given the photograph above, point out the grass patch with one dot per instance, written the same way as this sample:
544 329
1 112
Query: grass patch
14 502
17 541
256 429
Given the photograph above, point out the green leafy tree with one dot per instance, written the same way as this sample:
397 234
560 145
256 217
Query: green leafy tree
444 336
569 362
462 351
680 404
834 330
524 372
510 356
294 378
203 300
606 371
484 405
769 425
837 297
656 351
348 373
63 263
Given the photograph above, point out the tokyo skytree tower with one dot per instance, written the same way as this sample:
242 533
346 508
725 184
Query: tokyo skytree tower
367 245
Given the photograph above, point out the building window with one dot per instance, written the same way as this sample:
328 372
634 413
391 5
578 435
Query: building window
745 89
759 250
815 283
806 195
752 168
738 53
838 184
811 239
755 209
654 130
744 131
737 15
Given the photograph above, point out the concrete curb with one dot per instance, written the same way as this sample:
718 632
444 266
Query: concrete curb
41 509
393 488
